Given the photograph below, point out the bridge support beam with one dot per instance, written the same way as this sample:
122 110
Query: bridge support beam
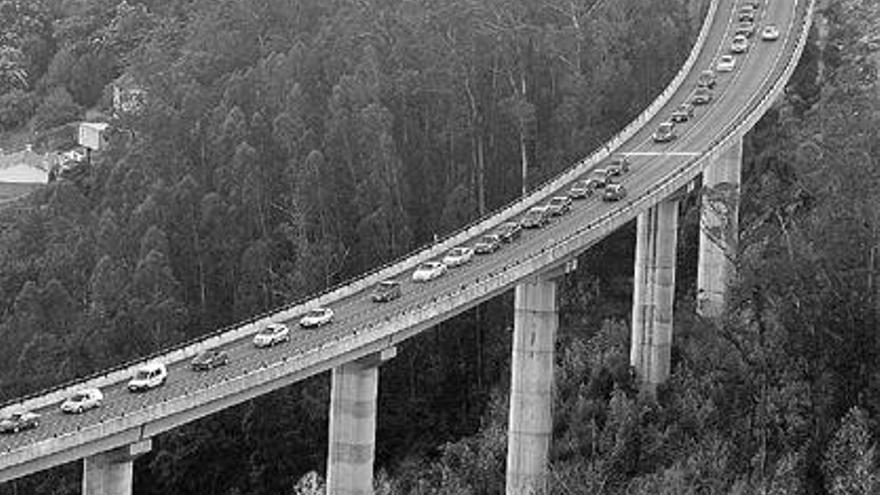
654 294
112 472
531 388
719 227
354 390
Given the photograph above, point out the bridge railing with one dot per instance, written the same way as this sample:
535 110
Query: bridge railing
238 330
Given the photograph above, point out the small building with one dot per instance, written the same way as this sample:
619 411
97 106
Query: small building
128 97
93 135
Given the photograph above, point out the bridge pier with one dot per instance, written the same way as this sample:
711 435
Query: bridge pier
530 423
654 293
112 472
719 229
354 390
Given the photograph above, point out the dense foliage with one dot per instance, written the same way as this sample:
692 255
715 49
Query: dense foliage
286 145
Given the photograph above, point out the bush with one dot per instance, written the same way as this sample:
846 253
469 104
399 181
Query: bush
16 107
56 109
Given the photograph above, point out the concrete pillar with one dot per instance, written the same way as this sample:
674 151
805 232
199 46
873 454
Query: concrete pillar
643 298
111 472
654 293
354 389
531 388
719 227
665 238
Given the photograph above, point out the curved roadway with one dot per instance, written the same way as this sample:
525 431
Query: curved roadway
361 326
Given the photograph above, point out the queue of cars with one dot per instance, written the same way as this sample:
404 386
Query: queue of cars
745 28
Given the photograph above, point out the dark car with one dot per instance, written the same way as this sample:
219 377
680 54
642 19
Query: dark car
706 79
536 217
488 244
19 421
210 359
509 231
664 133
618 165
701 96
614 192
386 290
559 205
683 113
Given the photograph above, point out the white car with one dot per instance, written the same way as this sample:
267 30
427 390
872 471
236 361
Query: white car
770 33
148 376
82 401
428 271
458 256
726 63
274 333
316 318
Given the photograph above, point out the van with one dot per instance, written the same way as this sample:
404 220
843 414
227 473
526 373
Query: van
148 376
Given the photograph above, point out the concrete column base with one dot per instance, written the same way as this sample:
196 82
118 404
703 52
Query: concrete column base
355 388
719 228
531 389
111 472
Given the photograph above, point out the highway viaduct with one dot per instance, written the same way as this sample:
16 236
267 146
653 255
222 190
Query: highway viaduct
365 334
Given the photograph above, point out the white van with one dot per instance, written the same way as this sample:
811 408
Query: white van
148 376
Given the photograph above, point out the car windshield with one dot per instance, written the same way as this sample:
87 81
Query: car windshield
665 127
426 266
557 201
79 397
268 331
457 252
488 239
316 313
142 375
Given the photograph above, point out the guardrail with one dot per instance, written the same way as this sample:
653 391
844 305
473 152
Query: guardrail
230 333
469 291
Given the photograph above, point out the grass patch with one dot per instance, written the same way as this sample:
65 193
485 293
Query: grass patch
10 190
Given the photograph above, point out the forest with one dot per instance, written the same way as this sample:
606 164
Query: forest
285 146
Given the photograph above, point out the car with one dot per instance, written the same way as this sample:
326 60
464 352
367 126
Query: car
770 33
726 63
386 290
753 4
740 44
458 256
580 190
428 270
85 399
19 421
614 192
664 133
618 165
559 205
745 28
488 244
271 334
598 178
509 231
536 217
209 359
706 79
150 375
701 96
316 317
746 15
683 113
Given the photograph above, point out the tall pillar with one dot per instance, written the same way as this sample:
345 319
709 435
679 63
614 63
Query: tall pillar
666 237
719 227
354 389
531 388
111 472
654 293
643 299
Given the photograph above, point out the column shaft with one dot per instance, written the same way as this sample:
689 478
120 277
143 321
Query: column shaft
111 472
352 428
531 389
643 299
719 227
666 237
